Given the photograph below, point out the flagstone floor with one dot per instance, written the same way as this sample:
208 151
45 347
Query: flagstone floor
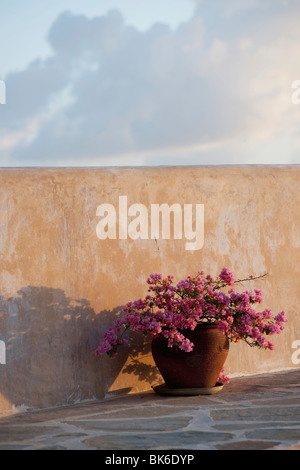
250 413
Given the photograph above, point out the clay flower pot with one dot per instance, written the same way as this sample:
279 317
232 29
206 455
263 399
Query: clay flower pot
199 368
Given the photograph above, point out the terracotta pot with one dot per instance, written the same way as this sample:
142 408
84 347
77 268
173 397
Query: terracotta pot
199 368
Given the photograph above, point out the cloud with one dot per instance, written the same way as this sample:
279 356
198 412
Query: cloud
218 88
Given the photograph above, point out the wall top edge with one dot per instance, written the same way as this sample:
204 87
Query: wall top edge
148 167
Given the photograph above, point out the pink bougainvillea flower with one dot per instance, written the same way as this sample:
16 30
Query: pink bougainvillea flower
169 309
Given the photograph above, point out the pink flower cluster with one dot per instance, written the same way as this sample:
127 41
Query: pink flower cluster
223 377
227 276
170 309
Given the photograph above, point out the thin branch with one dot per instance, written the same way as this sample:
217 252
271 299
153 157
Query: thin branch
239 281
263 276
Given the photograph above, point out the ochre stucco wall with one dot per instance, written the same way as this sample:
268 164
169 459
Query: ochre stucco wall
60 286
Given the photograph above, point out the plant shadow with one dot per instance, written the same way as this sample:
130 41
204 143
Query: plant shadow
50 342
140 361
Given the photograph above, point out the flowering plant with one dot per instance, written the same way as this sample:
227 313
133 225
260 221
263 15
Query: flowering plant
170 309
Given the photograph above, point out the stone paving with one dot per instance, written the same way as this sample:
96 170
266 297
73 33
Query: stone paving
250 413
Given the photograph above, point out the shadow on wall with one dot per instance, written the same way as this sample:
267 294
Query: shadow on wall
50 342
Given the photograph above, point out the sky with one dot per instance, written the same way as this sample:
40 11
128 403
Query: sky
139 83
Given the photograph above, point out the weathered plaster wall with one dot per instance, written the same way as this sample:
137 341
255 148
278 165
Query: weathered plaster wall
60 286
